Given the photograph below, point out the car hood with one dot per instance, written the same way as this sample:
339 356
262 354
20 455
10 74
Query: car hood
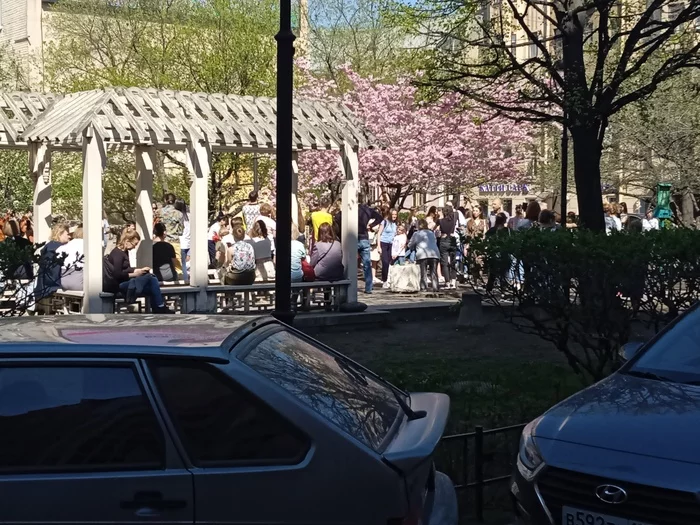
630 414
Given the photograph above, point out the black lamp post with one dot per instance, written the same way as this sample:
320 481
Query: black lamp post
285 87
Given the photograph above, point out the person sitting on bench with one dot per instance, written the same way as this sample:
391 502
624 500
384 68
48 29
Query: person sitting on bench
239 267
120 277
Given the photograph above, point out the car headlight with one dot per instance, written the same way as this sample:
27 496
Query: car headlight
530 460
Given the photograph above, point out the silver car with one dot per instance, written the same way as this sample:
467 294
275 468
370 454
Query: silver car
132 419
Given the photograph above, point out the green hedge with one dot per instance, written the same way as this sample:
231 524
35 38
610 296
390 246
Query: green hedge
583 290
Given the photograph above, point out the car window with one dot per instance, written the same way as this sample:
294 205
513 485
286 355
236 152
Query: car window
676 354
359 403
57 418
220 423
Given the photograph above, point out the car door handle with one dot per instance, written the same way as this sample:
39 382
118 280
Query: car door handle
147 502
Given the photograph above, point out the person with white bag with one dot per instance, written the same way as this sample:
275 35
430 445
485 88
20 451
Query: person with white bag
402 277
424 243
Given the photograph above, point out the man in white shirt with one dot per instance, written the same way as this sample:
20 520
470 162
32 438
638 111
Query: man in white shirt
650 222
496 208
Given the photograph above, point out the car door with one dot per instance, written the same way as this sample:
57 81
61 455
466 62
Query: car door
81 442
249 462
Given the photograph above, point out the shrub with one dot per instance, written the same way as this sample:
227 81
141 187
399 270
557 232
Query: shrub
582 290
17 293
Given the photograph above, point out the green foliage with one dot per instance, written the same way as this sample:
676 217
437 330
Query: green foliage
583 290
655 140
211 46
17 188
13 74
371 36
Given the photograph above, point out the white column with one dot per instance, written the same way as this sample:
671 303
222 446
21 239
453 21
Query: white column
145 166
94 161
199 163
350 166
295 192
40 164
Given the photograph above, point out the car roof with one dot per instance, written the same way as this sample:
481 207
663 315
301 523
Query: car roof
202 336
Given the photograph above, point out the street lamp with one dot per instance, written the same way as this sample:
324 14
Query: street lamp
285 85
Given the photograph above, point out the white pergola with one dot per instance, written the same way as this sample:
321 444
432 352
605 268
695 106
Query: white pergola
147 120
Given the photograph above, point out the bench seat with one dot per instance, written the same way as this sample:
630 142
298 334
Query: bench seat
71 302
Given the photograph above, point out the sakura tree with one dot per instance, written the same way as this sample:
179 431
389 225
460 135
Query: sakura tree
448 145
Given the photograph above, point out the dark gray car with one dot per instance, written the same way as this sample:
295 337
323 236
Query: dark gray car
127 419
625 451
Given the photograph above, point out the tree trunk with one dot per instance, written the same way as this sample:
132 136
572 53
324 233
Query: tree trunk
587 153
688 209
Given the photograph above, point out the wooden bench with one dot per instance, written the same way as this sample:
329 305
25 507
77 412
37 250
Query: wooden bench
179 298
71 302
260 297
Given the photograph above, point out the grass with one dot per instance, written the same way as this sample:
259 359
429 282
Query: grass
489 392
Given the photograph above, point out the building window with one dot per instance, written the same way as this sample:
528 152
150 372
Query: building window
533 50
513 43
419 199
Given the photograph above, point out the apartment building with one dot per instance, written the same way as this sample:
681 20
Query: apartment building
24 33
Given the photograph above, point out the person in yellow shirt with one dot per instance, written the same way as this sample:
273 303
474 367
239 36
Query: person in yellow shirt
320 216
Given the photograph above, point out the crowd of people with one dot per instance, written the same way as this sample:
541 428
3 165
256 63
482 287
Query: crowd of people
241 246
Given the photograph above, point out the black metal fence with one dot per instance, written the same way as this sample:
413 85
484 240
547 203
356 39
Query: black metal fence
479 463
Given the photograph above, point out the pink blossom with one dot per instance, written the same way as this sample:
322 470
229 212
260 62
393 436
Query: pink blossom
449 144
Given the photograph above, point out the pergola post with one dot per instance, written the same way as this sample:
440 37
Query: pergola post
145 166
295 192
199 163
94 161
350 166
40 164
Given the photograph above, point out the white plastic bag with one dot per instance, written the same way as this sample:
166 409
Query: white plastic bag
404 278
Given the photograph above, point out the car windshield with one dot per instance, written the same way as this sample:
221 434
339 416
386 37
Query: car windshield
675 356
359 403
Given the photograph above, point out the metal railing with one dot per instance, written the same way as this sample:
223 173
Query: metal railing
470 471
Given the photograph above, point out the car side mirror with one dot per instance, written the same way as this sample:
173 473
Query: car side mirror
629 350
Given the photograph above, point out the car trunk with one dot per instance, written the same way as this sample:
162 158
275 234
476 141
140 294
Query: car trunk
411 452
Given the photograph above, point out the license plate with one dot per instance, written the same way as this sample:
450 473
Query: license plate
572 516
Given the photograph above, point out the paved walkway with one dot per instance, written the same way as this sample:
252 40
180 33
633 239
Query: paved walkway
380 298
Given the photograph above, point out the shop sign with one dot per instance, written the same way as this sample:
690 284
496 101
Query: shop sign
503 188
